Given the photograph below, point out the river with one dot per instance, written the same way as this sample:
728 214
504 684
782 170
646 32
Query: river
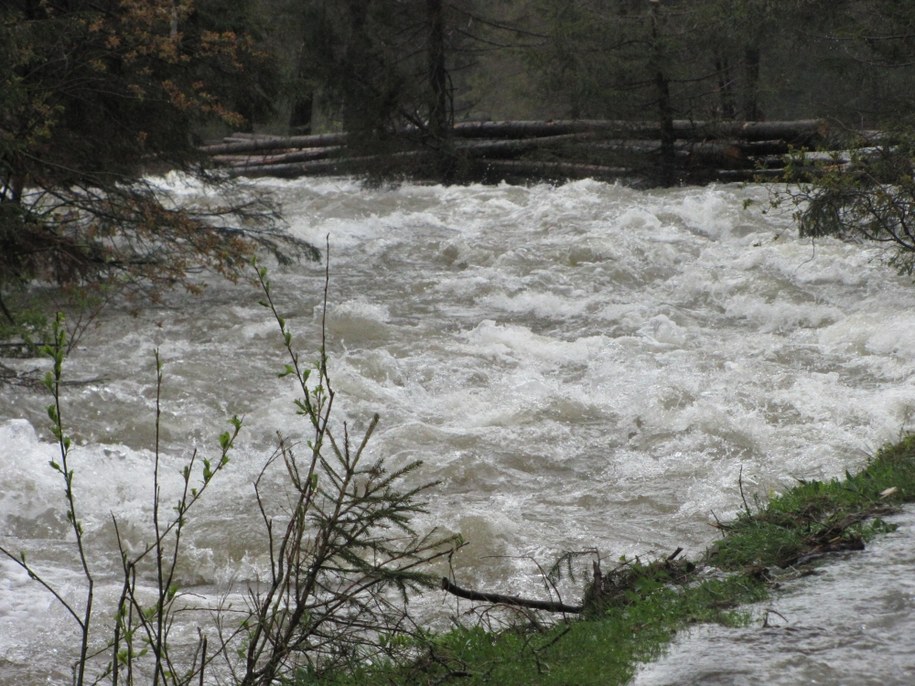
581 366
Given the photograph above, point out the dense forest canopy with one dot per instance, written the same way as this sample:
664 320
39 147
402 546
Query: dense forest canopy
534 59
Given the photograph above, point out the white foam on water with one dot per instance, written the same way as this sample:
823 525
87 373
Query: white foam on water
581 366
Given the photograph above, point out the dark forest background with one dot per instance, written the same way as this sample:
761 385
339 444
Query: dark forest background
367 64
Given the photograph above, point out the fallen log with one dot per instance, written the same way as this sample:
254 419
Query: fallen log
291 169
248 136
500 599
551 150
513 146
792 131
586 142
334 165
554 170
803 131
261 143
305 155
540 129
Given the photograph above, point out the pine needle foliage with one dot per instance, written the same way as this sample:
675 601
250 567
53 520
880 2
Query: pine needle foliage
344 555
864 195
95 96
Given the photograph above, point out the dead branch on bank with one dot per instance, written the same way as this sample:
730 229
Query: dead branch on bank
501 599
614 588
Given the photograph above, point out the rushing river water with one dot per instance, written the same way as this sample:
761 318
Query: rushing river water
580 366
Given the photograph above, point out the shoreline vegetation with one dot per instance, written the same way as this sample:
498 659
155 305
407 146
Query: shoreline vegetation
631 614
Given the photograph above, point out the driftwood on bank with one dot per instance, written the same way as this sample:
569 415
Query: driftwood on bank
556 149
500 599
615 588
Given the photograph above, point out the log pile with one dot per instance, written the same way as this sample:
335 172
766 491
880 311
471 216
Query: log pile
539 150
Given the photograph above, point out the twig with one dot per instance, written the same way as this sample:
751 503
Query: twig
742 496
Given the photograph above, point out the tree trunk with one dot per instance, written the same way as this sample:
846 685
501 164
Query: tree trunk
665 109
725 87
751 111
300 114
440 117
439 110
357 72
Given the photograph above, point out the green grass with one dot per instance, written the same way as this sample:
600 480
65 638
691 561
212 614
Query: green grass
817 517
633 613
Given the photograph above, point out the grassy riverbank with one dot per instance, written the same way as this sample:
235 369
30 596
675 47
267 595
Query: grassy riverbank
631 614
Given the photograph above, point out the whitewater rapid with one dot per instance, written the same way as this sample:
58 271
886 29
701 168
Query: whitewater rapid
580 366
